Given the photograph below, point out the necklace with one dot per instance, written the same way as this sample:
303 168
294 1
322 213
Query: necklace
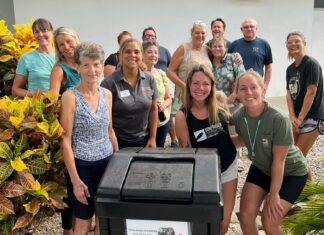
252 143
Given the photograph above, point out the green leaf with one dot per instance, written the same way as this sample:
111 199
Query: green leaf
8 76
21 144
5 170
27 154
37 166
5 151
38 106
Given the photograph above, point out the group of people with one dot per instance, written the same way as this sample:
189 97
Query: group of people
214 88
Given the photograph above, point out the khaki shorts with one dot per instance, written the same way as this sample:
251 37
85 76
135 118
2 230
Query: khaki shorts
176 105
230 173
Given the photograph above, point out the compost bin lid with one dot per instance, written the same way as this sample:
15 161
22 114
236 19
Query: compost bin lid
159 181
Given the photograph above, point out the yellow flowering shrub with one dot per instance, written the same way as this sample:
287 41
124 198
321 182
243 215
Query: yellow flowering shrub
12 46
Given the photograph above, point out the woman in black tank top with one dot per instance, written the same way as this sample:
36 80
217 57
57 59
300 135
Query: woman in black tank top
202 123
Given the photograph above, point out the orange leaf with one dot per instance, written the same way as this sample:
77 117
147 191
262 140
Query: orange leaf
6 134
56 201
27 180
10 189
6 206
23 221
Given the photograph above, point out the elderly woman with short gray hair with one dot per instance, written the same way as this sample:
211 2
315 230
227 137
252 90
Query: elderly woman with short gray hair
89 139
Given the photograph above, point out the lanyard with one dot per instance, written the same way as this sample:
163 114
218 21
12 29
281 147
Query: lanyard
252 143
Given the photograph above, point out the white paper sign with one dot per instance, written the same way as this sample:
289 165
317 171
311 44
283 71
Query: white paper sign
157 227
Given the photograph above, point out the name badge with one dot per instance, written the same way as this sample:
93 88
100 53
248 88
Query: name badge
124 93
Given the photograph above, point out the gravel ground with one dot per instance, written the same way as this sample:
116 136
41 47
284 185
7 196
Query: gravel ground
52 226
315 160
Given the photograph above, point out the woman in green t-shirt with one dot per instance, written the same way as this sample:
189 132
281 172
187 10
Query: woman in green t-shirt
278 171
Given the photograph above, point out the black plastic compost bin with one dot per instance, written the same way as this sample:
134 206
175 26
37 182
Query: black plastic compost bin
161 184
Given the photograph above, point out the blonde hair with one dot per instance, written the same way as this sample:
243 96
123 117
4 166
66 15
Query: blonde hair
215 101
218 40
142 65
252 73
67 31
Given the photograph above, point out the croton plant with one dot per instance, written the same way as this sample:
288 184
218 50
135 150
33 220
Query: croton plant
31 164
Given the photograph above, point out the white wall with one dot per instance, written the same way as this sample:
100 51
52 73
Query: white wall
318 36
103 20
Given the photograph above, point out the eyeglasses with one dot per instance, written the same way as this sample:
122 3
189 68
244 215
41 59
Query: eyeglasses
294 42
249 26
41 31
148 36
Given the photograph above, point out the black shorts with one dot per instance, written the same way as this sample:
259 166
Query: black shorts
67 213
290 189
90 173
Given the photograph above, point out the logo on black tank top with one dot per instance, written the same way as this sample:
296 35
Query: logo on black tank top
208 132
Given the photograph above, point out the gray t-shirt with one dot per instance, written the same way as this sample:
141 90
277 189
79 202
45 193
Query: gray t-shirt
274 129
131 106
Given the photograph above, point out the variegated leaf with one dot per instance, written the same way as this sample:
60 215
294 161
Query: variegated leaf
18 164
6 206
27 154
5 151
27 180
6 58
6 134
37 166
15 121
23 221
33 206
55 128
21 144
8 76
41 192
47 159
56 201
50 186
43 127
5 170
37 185
11 189
29 124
